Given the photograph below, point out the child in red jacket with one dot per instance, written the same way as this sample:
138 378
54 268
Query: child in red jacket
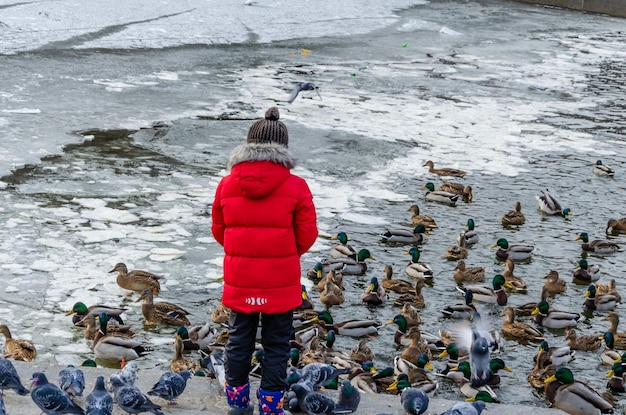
265 219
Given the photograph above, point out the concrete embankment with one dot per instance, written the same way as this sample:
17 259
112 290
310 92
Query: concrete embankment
204 396
611 7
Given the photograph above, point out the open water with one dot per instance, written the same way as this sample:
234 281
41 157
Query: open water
117 124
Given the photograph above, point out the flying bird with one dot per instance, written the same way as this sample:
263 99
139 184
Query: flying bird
99 402
72 381
170 385
50 398
10 379
303 86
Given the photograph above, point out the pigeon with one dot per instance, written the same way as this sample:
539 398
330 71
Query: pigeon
349 398
99 402
479 360
170 385
50 398
72 381
303 86
128 375
312 402
466 408
132 400
414 401
316 375
3 410
9 378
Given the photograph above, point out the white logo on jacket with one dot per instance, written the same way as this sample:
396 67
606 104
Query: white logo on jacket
256 300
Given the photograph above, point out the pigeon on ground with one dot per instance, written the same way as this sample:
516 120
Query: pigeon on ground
99 402
349 398
170 386
50 398
3 410
316 375
132 400
128 375
72 381
466 408
9 378
414 401
312 402
303 86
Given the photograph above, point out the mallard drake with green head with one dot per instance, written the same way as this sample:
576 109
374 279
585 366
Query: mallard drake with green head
595 302
113 348
397 286
352 328
80 310
609 355
417 269
464 311
343 249
348 266
527 309
454 359
136 280
113 327
405 236
519 330
416 378
197 337
514 217
444 171
599 246
457 188
515 252
491 295
465 384
619 337
163 311
554 319
471 234
602 169
616 378
18 349
585 273
417 219
574 397
616 225
374 294
550 205
555 355
438 196
399 336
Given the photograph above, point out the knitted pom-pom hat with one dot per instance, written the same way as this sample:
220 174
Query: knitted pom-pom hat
269 129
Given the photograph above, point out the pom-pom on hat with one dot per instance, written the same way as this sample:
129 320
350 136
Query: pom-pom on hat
269 129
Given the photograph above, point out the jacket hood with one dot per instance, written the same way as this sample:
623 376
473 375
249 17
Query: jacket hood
260 168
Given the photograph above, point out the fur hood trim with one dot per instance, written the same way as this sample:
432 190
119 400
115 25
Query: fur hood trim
276 153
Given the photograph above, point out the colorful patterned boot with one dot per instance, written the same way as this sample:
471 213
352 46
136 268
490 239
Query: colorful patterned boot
238 398
271 403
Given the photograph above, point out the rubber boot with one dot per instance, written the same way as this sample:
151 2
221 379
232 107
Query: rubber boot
271 403
238 398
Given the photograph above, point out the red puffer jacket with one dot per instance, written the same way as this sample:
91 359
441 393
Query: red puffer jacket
265 219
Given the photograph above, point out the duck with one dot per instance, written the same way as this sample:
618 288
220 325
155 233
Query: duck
136 280
418 219
197 337
586 342
595 302
438 196
465 311
574 397
361 352
113 348
466 387
220 314
399 337
470 235
397 286
555 355
307 302
491 295
457 252
343 249
161 312
352 327
18 349
528 308
335 276
179 362
445 171
411 315
463 273
602 169
615 383
519 330
416 347
113 327
331 294
555 284
454 359
405 236
80 310
417 269
609 355
585 273
495 365
515 252
610 288
554 319
416 378
616 225
457 188
548 204
541 371
349 266
517 283
598 246
514 217
619 337
374 294
416 298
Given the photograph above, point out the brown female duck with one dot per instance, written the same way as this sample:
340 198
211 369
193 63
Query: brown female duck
514 217
180 362
19 349
162 312
418 219
444 171
136 280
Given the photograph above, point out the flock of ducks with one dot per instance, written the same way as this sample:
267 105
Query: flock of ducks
471 348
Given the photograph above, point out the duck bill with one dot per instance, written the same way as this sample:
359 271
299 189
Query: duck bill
508 369
429 366
472 399
535 312
508 285
586 295
443 354
550 379
69 313
610 374
393 386
494 245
